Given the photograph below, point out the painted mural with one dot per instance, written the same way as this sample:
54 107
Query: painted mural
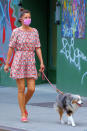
73 18
8 21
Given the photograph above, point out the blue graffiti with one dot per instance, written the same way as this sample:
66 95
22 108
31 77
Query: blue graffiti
1 13
4 23
15 2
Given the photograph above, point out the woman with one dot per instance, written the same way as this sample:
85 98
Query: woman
25 40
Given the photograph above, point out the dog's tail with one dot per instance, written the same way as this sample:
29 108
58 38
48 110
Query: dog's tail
55 106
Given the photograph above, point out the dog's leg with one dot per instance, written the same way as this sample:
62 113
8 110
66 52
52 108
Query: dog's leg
70 120
61 114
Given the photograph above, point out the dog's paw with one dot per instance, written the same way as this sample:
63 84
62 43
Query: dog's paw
62 122
73 125
69 123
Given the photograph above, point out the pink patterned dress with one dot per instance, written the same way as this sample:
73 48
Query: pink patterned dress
24 42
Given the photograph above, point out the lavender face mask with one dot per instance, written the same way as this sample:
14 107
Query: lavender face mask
27 21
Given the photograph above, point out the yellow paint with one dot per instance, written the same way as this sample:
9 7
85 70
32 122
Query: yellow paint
64 4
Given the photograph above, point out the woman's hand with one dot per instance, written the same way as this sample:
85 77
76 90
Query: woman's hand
42 67
10 51
39 54
6 68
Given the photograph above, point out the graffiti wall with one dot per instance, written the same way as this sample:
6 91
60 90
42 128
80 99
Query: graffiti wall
8 21
72 48
73 18
74 55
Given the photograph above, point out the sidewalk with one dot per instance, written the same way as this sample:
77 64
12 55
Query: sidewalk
42 116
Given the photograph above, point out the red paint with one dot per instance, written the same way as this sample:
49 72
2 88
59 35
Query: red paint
12 21
3 35
2 61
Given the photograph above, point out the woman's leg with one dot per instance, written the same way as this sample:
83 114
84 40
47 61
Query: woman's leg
30 89
21 95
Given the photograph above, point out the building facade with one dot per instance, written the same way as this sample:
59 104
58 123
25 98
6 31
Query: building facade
64 46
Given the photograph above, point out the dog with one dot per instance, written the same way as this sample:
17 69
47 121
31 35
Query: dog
68 103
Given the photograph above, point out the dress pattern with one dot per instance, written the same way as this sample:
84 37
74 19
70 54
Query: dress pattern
24 42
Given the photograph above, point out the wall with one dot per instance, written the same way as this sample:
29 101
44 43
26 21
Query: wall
8 19
72 73
39 20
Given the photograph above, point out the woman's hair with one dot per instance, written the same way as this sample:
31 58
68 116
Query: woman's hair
22 12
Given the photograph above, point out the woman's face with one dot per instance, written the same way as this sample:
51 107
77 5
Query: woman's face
24 17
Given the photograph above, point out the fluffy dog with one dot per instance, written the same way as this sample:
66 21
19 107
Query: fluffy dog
68 103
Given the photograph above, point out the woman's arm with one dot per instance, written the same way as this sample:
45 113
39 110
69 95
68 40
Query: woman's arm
10 51
39 54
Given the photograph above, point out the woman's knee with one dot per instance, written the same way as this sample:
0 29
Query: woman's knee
30 85
21 89
21 85
31 89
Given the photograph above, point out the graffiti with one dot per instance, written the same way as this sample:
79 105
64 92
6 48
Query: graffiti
73 18
7 24
1 67
68 31
1 12
15 2
84 75
73 55
5 29
16 8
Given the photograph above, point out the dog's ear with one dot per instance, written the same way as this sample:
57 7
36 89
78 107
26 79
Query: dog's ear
74 100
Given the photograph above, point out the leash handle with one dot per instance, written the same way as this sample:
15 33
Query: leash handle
43 75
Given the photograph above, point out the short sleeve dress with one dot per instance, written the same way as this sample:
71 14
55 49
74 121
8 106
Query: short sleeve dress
24 42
